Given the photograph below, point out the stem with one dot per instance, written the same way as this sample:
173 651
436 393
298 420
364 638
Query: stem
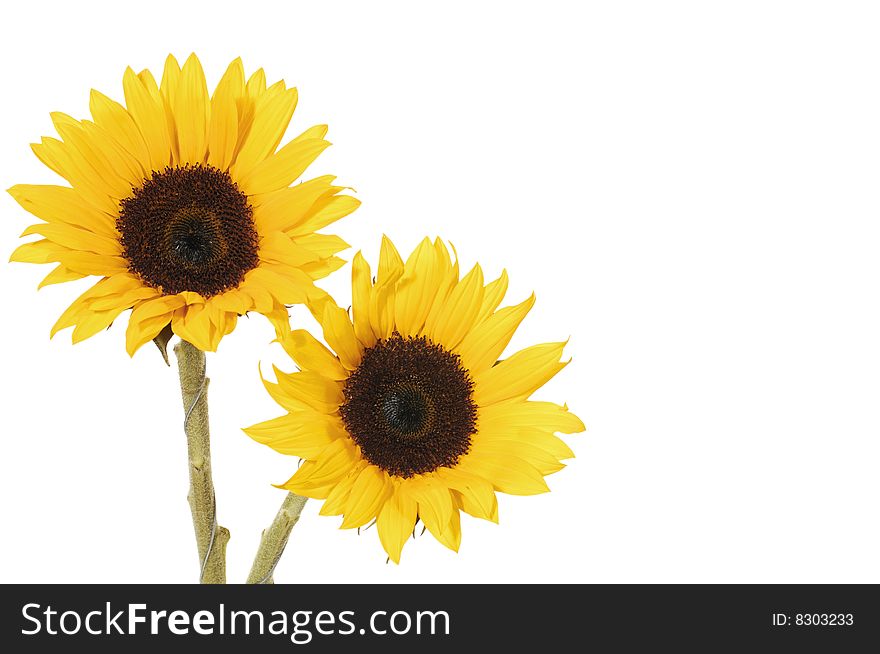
274 540
211 539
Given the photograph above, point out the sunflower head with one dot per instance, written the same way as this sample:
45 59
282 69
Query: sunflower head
411 413
181 202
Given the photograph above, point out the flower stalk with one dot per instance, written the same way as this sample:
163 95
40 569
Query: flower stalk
211 539
274 540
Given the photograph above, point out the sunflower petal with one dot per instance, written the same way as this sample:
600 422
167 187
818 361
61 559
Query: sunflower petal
435 503
336 499
119 124
149 115
493 294
360 300
477 494
325 212
303 433
282 168
191 107
507 473
223 125
482 347
339 334
314 390
58 275
149 318
459 311
520 375
369 492
395 522
75 238
311 355
60 204
271 115
316 478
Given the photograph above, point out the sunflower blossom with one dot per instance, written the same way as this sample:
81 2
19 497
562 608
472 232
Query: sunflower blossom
409 414
181 202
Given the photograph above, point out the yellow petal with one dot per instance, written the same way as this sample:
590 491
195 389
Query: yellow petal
101 312
91 158
314 390
148 319
93 322
75 238
369 492
68 163
58 275
324 245
544 461
493 294
272 113
336 499
43 251
451 534
278 247
223 126
282 168
191 110
285 208
256 84
115 119
449 274
318 477
482 347
170 79
416 289
125 164
520 375
382 310
234 301
193 323
59 204
303 433
80 306
149 115
507 473
311 355
459 311
125 300
287 285
469 506
89 263
478 495
360 300
339 334
390 263
396 521
538 415
325 212
435 503
382 298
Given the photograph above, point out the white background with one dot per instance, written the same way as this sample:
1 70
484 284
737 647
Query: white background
691 188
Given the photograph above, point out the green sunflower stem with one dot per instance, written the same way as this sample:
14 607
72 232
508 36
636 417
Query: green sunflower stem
274 540
211 539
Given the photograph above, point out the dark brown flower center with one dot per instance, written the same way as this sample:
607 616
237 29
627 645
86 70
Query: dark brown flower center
189 229
409 406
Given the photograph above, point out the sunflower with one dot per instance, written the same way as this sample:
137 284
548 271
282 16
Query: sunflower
181 202
412 416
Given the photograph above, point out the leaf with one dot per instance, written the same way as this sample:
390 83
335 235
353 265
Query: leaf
162 341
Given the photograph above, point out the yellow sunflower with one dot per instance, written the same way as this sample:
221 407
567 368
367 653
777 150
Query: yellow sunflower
181 201
412 416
